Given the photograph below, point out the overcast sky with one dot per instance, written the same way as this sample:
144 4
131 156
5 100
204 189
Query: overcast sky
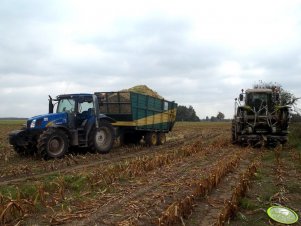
199 53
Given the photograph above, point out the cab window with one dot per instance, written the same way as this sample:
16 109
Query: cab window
66 105
85 106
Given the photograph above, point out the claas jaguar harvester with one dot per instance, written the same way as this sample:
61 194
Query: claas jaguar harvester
94 121
260 118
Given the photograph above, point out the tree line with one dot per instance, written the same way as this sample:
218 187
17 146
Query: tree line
188 114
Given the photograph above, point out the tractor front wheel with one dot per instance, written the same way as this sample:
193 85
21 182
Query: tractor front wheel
20 150
53 143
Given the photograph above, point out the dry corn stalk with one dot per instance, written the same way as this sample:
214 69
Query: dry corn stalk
13 210
179 209
230 206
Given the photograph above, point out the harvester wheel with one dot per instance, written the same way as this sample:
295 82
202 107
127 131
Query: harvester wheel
151 138
52 143
102 138
161 139
234 133
284 119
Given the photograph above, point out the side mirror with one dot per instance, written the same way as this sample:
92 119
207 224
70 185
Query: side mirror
50 105
241 97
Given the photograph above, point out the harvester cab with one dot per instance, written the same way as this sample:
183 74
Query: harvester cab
260 118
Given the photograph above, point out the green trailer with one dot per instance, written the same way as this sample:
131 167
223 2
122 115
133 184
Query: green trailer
138 116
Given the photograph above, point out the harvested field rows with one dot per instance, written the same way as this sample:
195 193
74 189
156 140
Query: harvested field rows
197 178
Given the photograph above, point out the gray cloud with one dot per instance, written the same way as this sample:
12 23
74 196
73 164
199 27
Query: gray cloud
44 51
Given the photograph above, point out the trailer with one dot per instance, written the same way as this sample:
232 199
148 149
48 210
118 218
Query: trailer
138 117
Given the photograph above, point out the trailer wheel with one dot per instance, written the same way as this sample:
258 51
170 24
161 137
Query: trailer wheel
151 138
53 143
102 139
161 139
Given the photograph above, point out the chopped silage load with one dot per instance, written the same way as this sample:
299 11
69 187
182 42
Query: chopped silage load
143 89
119 101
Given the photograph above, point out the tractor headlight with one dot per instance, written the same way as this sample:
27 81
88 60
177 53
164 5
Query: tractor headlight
33 124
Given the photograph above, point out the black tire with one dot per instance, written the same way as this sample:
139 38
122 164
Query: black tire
161 138
234 133
102 139
123 139
53 143
20 150
151 138
26 151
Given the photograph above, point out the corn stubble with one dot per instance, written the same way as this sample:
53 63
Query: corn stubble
51 195
183 208
231 205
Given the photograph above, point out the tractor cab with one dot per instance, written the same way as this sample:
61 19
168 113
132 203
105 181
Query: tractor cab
259 99
78 108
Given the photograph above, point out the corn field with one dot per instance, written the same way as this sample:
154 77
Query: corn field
197 178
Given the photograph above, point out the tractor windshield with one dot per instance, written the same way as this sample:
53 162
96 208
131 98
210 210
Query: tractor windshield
66 105
259 97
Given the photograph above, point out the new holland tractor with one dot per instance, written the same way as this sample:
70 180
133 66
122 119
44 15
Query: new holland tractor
260 118
76 122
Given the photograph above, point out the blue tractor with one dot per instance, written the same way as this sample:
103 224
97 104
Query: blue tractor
76 123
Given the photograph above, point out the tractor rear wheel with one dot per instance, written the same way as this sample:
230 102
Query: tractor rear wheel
102 138
53 143
151 138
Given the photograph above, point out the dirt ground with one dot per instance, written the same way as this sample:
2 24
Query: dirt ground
197 178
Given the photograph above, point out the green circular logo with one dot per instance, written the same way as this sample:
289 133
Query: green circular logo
282 215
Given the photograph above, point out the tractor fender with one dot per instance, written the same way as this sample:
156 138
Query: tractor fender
63 128
106 118
91 123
